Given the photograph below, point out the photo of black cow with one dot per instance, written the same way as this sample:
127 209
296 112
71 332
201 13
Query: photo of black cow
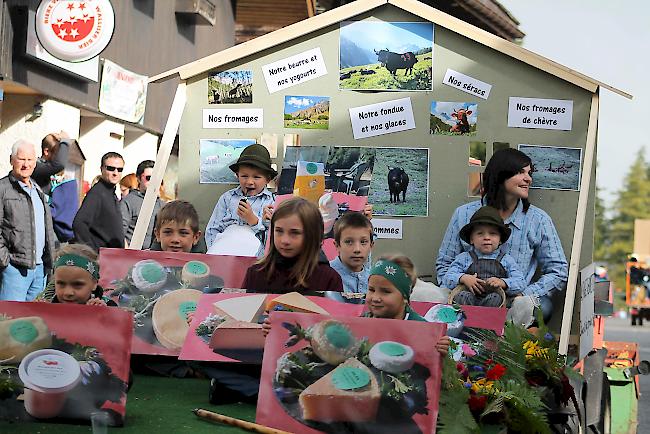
377 55
400 182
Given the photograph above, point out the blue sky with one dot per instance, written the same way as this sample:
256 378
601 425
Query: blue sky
609 41
397 37
293 103
443 110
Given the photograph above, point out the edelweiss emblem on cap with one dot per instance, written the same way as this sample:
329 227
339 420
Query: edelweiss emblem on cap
390 270
91 268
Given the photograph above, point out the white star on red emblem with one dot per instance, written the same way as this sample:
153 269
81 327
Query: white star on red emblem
62 34
74 33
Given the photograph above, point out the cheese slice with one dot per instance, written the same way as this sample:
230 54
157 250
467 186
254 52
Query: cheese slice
297 303
247 308
237 335
328 400
169 318
21 336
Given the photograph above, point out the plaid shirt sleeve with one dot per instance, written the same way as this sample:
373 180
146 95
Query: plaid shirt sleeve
451 279
552 263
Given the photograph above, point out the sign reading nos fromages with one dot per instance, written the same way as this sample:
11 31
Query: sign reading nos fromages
75 31
545 114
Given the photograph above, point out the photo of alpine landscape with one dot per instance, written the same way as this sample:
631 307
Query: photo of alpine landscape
307 112
376 55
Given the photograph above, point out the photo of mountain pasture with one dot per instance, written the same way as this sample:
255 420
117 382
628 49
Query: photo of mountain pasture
230 87
404 172
453 118
556 168
307 112
377 55
216 156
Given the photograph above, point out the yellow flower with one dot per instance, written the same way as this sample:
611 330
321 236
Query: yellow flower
533 349
482 385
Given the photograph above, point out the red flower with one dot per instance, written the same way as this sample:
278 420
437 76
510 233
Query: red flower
496 372
477 402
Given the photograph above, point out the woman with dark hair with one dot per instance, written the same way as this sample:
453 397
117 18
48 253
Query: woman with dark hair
533 243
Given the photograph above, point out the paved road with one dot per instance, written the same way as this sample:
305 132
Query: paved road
617 329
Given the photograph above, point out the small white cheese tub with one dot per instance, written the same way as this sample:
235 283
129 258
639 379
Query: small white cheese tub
48 375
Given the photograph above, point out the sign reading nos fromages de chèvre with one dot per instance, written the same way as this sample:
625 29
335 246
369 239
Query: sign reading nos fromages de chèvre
75 31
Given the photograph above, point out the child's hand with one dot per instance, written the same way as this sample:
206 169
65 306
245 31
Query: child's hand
95 301
189 318
442 346
266 326
473 283
268 212
496 282
245 212
367 211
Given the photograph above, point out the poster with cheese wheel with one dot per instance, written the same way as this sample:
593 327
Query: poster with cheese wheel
331 205
58 362
162 290
344 374
227 327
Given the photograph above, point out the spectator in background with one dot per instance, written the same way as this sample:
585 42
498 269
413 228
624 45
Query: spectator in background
26 236
98 222
64 202
128 183
55 148
131 204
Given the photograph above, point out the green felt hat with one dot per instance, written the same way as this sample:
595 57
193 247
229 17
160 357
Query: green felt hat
258 156
485 215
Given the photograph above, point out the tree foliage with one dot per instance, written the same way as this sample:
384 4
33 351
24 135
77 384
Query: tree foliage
614 238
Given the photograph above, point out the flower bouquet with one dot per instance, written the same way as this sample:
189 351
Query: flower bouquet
505 383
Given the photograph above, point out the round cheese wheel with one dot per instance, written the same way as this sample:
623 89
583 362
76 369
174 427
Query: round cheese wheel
195 274
148 275
392 357
169 316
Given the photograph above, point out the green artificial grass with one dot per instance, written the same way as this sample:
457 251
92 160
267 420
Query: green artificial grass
156 405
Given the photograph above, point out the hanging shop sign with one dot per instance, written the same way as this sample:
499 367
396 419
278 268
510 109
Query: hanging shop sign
75 31
122 94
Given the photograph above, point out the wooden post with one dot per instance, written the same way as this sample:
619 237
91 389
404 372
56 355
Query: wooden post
166 144
576 247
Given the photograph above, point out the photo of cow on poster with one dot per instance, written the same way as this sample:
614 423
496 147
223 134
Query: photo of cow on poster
400 182
377 55
453 118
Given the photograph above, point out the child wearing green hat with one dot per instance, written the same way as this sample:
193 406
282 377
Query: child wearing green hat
484 268
244 205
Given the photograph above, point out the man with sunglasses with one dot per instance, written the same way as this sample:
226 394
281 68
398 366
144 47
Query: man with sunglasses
131 204
98 222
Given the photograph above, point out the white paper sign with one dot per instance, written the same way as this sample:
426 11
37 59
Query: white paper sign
586 310
467 84
294 70
545 114
233 118
387 228
382 118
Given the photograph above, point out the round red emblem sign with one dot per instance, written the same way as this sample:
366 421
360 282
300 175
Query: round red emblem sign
75 31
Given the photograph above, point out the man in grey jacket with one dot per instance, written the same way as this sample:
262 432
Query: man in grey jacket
26 236
131 204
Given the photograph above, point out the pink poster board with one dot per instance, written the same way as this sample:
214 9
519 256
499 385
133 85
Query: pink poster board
197 347
74 361
308 387
122 282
